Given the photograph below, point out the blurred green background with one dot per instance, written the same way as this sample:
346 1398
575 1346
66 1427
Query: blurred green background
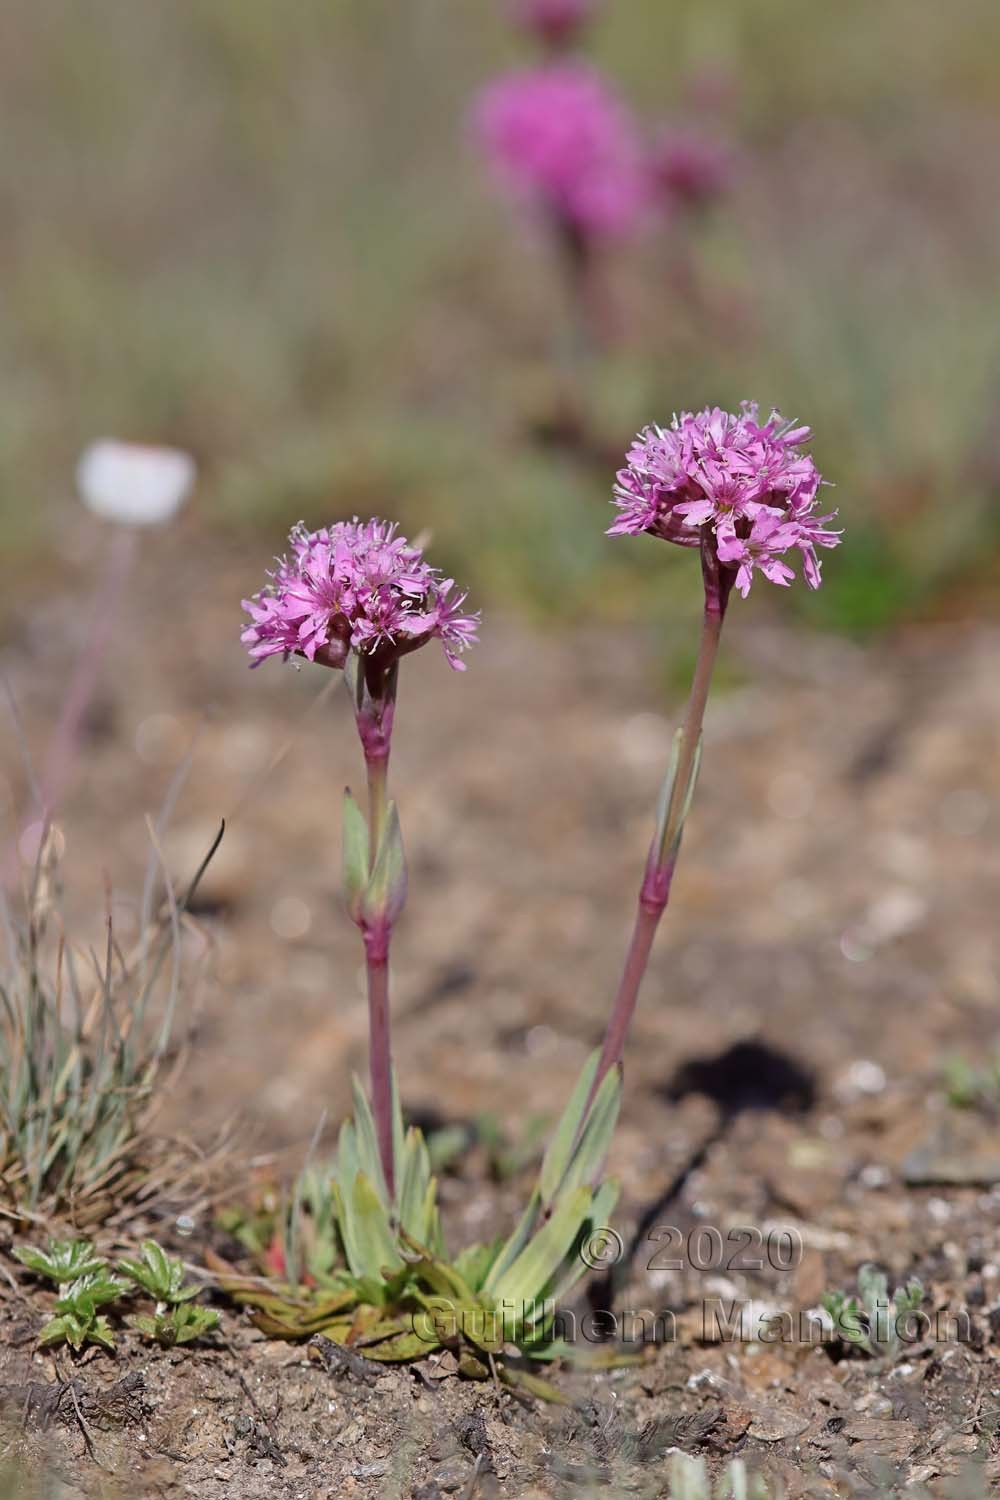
261 231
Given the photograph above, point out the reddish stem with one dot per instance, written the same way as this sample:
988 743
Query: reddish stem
375 729
380 1052
654 893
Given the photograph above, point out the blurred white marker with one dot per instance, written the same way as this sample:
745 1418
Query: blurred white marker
133 483
291 918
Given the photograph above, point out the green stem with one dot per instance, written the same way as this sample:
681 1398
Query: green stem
377 771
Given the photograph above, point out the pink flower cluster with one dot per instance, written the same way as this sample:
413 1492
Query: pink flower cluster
689 168
748 482
355 585
554 21
561 136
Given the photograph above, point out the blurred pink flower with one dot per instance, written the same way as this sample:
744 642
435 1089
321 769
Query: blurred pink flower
690 169
748 482
554 21
353 585
561 136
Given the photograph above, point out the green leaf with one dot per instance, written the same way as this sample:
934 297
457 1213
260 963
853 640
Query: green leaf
385 895
158 1274
58 1330
76 1329
366 1139
398 1132
576 1266
560 1151
91 1292
873 1286
414 1171
473 1263
354 678
595 1139
515 1243
527 1278
63 1261
523 1380
399 1348
146 1324
99 1332
666 795
181 1325
355 856
448 1316
908 1299
375 1243
443 1279
347 1163
190 1323
159 1264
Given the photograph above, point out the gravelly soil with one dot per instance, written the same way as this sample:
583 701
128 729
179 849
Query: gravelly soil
832 939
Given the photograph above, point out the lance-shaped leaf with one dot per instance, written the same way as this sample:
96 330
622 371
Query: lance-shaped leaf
356 856
576 1264
385 895
595 1138
528 1277
369 1241
416 1189
667 794
560 1150
514 1244
347 1163
398 1129
366 1140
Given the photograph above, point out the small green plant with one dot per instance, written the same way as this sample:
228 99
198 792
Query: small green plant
86 1282
970 1087
873 1321
77 1321
175 1325
83 1042
361 1265
159 1275
64 1261
174 1320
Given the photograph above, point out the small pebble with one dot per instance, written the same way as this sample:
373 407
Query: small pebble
862 1077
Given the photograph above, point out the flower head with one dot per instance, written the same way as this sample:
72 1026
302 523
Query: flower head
689 168
360 586
553 21
133 483
731 479
559 135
